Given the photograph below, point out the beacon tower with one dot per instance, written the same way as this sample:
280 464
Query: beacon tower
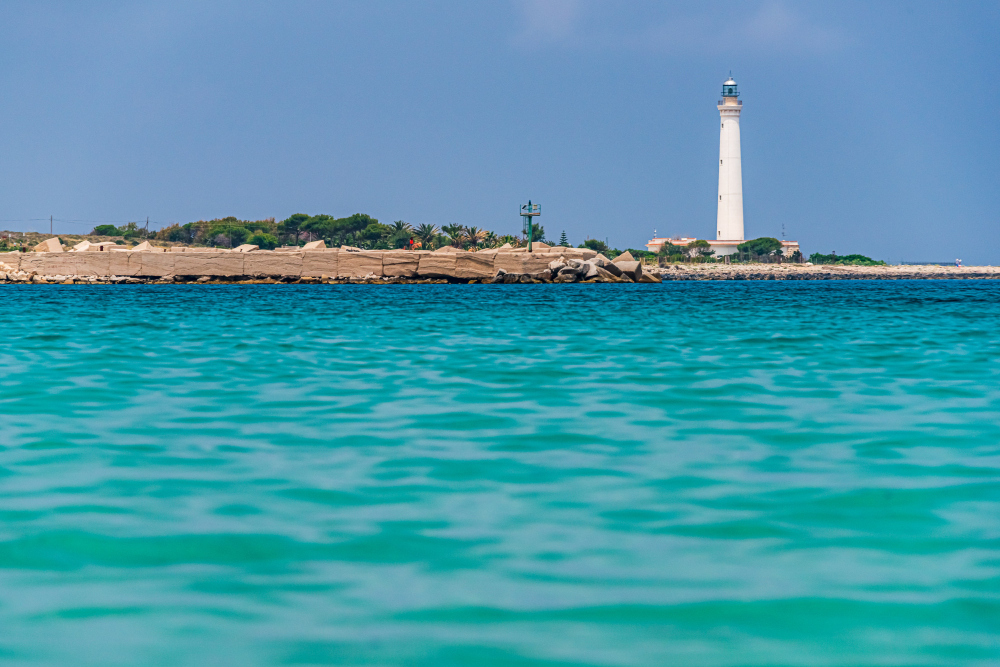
729 224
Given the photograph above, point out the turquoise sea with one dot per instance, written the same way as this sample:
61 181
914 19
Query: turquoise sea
699 473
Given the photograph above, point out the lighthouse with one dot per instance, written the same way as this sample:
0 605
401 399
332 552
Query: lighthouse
729 224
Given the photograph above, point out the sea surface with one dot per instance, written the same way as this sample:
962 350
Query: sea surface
697 473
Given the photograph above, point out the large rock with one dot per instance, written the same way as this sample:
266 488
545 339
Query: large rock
624 257
437 265
649 278
266 263
607 276
315 245
145 245
401 263
359 264
609 266
246 247
49 245
631 269
319 263
474 265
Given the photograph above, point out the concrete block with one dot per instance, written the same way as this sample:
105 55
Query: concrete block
315 245
176 248
474 265
359 264
123 264
578 253
318 263
11 259
267 263
157 264
209 264
246 247
401 263
631 269
509 261
94 264
624 257
535 262
49 245
436 265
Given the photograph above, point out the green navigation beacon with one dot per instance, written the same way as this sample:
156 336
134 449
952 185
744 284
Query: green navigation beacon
528 211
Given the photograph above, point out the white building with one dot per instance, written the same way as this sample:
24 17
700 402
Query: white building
729 222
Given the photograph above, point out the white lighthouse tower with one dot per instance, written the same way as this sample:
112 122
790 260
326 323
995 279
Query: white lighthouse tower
729 224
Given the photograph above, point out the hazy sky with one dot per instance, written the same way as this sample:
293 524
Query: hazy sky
867 127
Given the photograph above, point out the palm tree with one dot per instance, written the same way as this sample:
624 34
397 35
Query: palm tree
474 236
426 234
455 233
400 226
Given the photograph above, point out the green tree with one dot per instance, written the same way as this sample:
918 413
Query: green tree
763 247
596 246
105 230
401 226
537 233
292 225
264 241
699 249
563 241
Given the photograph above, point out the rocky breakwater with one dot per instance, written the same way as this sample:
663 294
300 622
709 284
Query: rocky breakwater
824 272
321 264
317 263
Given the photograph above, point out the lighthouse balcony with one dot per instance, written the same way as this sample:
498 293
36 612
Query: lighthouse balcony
730 102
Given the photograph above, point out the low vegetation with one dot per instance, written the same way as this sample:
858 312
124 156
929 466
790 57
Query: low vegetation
363 231
844 260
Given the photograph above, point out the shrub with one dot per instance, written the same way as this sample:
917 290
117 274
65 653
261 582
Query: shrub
850 260
105 230
264 241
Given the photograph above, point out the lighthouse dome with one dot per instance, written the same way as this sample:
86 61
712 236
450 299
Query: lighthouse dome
729 88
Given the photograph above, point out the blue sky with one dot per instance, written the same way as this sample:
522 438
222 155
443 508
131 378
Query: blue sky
867 127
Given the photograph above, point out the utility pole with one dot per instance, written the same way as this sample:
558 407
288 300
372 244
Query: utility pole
50 225
147 226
